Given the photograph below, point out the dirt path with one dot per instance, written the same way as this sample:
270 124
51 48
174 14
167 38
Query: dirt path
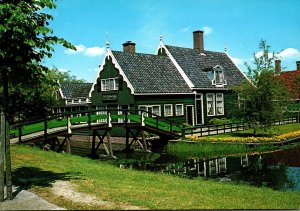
66 190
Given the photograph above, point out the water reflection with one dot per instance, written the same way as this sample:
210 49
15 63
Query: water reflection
278 170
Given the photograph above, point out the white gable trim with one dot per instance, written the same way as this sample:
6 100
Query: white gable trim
238 68
60 92
180 70
114 61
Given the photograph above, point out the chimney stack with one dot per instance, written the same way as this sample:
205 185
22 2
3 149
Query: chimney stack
277 67
298 65
198 41
129 47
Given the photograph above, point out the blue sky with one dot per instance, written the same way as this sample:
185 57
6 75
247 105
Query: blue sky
237 24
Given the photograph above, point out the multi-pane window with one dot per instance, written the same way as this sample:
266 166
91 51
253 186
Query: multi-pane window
210 98
215 104
179 109
168 110
219 77
109 84
219 104
156 110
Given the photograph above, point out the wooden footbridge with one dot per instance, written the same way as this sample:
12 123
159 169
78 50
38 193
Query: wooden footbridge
100 123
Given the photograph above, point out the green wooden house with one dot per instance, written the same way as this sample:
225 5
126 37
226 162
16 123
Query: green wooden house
187 85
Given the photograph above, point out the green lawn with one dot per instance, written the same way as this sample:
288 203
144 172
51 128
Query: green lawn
36 169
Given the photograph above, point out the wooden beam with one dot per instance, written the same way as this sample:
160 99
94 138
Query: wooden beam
2 153
8 162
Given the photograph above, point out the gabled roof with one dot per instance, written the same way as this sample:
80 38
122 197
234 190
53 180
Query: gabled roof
195 66
149 73
291 79
75 90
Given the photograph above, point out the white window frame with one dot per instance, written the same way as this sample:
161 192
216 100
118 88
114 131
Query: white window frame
109 84
213 106
171 111
221 105
179 112
159 110
218 70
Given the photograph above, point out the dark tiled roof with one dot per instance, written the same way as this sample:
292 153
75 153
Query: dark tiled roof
151 73
75 90
195 65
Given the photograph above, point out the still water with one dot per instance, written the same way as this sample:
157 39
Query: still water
279 170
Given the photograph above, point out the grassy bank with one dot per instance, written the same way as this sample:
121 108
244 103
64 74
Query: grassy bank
36 170
210 149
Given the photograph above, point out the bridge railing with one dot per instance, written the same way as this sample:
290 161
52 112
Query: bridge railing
96 116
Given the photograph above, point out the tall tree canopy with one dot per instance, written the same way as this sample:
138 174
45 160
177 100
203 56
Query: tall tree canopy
261 100
25 40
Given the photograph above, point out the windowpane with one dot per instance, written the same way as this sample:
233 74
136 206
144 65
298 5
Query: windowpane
220 104
179 110
168 110
210 104
219 77
156 110
109 84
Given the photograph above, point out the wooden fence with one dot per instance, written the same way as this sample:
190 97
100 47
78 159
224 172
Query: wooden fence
228 128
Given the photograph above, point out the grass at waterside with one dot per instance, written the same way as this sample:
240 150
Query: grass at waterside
37 170
275 134
208 150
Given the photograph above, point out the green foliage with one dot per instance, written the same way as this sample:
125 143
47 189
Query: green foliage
63 77
25 40
261 101
221 121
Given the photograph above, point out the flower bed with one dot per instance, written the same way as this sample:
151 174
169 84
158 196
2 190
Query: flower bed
252 139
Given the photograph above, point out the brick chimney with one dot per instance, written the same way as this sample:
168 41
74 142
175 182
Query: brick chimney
277 66
129 47
298 65
198 41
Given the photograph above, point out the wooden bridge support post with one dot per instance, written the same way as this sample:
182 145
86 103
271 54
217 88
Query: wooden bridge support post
144 142
68 144
127 148
93 150
110 152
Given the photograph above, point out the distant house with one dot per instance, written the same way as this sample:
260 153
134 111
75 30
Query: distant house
291 79
73 97
184 84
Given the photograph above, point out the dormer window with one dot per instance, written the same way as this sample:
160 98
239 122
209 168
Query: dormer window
218 76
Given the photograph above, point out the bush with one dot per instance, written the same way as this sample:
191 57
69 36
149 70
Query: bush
222 121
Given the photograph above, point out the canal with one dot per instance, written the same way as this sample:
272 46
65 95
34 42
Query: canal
279 170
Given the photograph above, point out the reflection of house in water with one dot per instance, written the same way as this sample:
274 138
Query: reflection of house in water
209 168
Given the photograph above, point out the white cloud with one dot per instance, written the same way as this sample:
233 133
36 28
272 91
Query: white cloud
207 30
94 51
79 49
237 61
289 53
90 52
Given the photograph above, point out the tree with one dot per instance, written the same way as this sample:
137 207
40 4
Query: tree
25 40
261 100
64 77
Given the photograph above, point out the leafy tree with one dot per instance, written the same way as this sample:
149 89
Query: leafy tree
262 99
25 40
64 77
